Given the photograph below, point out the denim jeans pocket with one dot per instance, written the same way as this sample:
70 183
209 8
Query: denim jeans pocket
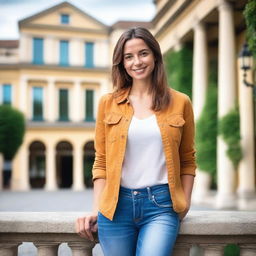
162 200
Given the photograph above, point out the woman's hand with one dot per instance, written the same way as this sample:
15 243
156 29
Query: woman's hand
183 214
86 225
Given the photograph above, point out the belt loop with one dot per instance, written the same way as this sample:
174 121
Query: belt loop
149 193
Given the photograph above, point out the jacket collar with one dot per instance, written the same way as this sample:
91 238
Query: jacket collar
122 95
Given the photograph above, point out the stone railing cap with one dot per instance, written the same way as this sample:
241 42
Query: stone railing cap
196 223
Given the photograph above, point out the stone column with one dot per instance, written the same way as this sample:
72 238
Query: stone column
20 171
51 109
48 50
75 105
101 53
181 249
9 248
200 70
76 58
83 248
246 187
23 92
51 183
226 101
78 171
47 248
200 83
213 249
25 48
247 249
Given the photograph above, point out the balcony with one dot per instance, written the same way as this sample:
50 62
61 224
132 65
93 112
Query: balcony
210 231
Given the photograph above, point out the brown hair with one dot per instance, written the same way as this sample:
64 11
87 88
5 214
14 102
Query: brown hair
121 79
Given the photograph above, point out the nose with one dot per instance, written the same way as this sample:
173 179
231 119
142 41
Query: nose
137 60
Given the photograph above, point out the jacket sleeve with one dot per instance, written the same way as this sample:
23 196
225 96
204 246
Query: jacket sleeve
187 147
99 166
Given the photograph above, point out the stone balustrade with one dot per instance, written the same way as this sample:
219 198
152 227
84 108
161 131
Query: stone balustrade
209 230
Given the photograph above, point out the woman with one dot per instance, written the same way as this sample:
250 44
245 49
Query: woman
144 166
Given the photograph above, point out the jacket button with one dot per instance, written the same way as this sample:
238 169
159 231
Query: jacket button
122 136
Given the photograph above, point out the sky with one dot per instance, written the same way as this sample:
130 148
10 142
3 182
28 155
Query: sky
106 11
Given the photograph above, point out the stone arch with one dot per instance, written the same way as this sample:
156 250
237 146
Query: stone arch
37 164
64 164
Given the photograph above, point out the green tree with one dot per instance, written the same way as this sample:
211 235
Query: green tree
179 69
229 129
12 129
206 127
250 20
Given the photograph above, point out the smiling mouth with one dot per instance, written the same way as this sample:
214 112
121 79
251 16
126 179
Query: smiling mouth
139 69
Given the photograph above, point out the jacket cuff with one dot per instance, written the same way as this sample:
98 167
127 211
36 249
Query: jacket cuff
98 174
188 171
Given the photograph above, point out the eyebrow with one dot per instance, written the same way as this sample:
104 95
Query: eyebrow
128 53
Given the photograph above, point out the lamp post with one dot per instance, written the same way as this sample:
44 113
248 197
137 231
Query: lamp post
246 58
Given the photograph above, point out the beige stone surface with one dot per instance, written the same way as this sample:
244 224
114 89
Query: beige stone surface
196 222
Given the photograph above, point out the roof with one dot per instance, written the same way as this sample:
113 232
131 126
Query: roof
56 7
9 43
128 24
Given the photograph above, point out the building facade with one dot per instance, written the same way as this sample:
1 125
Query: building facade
60 67
55 74
216 30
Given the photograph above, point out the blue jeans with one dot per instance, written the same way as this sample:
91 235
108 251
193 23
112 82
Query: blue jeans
144 224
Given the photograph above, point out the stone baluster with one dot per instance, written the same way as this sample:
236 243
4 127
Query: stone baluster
213 249
46 248
247 250
9 248
181 249
83 248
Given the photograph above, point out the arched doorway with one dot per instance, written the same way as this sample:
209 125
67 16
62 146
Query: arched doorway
89 155
37 164
64 160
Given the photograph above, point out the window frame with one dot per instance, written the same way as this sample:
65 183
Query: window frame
89 63
60 117
2 94
38 58
34 117
64 59
92 117
64 15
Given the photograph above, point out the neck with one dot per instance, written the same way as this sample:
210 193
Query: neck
140 88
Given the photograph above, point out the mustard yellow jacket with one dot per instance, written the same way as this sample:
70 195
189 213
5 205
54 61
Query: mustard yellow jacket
176 125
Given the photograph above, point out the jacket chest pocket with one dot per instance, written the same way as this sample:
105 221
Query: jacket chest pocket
175 125
113 125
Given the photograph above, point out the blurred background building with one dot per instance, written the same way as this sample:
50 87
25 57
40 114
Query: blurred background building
58 69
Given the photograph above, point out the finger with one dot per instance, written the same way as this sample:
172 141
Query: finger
95 227
87 228
82 232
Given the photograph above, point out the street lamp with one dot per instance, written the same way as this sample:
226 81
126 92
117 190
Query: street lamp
246 57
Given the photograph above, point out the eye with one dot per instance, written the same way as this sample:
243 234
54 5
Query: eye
144 54
127 57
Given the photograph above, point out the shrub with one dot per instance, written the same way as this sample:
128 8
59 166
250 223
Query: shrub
206 134
229 129
179 69
250 20
206 127
12 129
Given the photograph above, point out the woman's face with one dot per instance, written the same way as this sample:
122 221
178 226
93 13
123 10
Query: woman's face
138 59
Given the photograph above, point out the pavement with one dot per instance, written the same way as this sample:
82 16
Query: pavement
51 201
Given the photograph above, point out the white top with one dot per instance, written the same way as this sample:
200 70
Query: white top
144 162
